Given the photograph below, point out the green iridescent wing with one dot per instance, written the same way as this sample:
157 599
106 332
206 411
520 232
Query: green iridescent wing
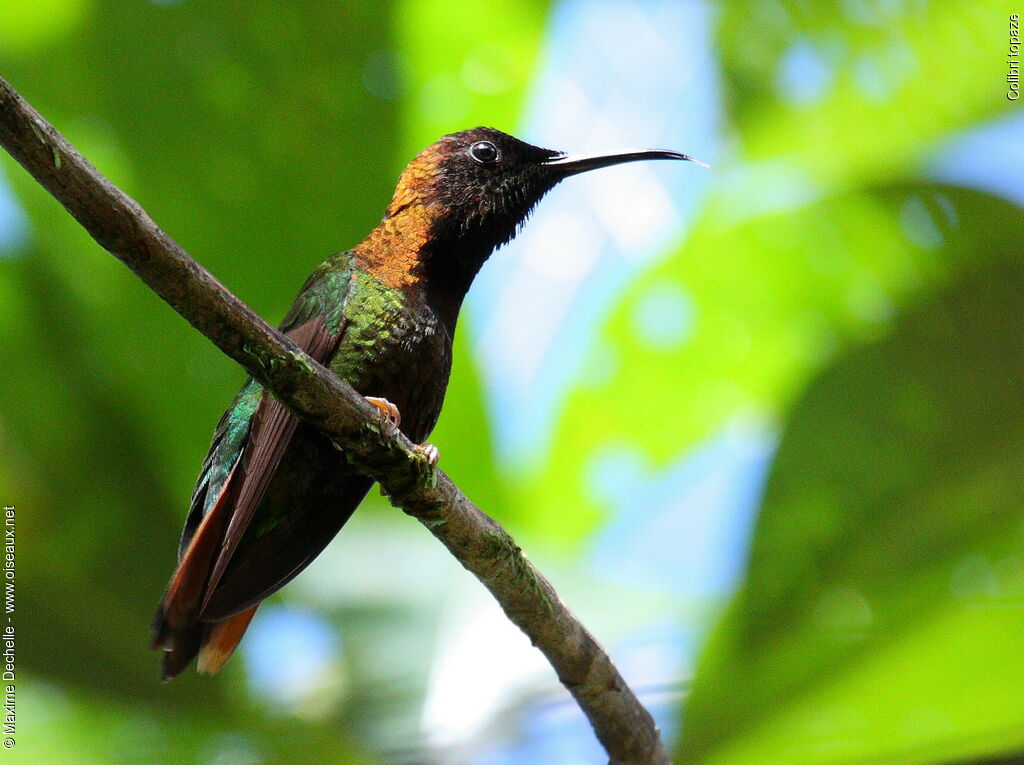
248 445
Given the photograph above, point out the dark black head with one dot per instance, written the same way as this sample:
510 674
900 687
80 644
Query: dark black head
471 192
488 182
485 183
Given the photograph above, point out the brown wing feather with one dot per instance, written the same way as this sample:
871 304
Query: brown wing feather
221 639
265 564
178 630
186 587
270 433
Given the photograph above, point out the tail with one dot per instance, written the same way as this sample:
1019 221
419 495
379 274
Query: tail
213 643
220 639
177 628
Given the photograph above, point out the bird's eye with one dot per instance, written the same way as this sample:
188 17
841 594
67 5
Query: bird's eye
484 152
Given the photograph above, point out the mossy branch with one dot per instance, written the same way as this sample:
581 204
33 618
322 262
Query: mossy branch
123 228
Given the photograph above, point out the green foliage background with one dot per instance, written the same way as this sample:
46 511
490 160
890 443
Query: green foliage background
872 314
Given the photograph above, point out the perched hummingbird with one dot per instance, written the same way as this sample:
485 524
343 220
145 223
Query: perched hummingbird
273 491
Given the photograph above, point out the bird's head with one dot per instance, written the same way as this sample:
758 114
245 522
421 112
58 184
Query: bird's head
480 185
462 197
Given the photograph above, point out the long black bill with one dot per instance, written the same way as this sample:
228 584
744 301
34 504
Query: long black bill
570 164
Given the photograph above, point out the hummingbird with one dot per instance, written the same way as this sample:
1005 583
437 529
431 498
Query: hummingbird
273 491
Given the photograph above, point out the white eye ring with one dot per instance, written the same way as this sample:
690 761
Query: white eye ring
484 152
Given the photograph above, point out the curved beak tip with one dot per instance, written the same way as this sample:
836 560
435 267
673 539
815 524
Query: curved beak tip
659 154
571 164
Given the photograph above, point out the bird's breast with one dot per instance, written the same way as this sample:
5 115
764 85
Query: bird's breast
395 346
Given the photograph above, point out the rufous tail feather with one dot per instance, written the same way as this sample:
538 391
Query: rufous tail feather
221 639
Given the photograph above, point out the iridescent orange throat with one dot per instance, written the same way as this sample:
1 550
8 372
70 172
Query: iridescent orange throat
394 251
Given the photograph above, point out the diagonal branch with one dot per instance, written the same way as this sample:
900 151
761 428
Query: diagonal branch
121 226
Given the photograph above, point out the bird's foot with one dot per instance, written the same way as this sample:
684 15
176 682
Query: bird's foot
429 453
390 410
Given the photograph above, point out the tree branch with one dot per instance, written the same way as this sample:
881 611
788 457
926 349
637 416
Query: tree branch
121 226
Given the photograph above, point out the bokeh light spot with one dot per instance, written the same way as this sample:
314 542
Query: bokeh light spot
919 225
804 74
614 471
14 231
488 69
289 654
443 98
663 317
384 75
233 749
844 614
973 577
872 81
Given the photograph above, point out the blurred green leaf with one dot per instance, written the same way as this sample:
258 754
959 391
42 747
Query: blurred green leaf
27 26
465 65
733 325
791 256
886 578
54 726
238 128
856 91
